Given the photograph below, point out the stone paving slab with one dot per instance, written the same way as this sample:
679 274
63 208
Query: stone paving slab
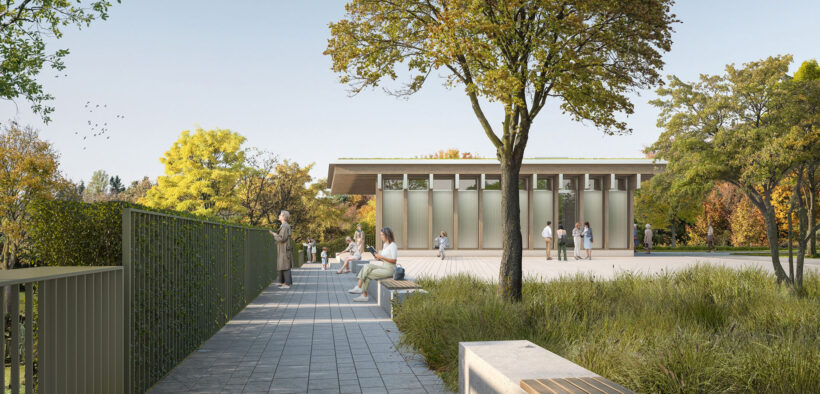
311 338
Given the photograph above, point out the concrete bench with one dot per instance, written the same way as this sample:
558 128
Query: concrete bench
390 291
523 367
356 265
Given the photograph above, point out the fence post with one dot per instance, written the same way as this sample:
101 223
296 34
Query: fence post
126 297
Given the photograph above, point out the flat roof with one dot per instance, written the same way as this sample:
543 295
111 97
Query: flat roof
358 176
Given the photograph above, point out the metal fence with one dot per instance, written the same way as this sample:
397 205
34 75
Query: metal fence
184 279
69 338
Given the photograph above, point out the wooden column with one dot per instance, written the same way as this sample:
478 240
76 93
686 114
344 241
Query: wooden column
579 196
379 205
404 214
430 213
630 210
555 211
605 185
530 219
455 213
480 189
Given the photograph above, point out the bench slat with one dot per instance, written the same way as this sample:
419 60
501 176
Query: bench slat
596 385
399 284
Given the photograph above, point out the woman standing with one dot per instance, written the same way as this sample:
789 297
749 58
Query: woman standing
388 255
358 237
647 238
443 242
587 234
562 242
576 240
284 255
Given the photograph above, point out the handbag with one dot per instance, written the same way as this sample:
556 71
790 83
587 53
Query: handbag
399 274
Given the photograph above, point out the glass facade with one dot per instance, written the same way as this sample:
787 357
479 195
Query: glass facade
541 213
524 217
568 207
594 214
392 207
467 219
443 213
491 215
417 203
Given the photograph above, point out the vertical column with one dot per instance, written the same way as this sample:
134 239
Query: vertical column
455 213
430 213
555 202
480 189
531 186
630 211
607 184
404 213
580 187
379 207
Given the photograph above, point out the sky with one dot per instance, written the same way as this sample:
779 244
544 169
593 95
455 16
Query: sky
257 68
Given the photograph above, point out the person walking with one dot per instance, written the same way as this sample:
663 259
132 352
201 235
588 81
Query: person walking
647 238
576 241
547 234
587 234
635 235
562 241
389 255
284 255
313 250
710 238
358 237
443 242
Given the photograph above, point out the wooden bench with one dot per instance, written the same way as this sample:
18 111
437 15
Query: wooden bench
591 385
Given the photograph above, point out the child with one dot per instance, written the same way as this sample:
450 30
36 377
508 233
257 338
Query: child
442 243
324 258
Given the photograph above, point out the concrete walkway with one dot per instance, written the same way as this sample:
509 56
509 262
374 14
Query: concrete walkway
310 338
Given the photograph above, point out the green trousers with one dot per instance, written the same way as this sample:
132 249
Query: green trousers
562 247
372 271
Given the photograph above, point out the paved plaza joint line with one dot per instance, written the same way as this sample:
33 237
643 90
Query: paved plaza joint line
309 338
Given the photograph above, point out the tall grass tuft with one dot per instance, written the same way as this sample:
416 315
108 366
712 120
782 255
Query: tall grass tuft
705 329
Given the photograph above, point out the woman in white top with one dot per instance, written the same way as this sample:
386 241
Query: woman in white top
576 240
388 255
353 249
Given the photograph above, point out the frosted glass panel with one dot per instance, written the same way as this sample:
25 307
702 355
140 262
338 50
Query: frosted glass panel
417 219
467 219
443 213
524 211
392 205
593 213
491 214
618 226
541 212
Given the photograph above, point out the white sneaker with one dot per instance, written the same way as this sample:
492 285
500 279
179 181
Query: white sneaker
355 290
361 298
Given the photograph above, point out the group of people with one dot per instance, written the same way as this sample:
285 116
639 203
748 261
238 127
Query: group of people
578 234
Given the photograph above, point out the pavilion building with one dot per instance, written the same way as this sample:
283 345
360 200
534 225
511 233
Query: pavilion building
418 198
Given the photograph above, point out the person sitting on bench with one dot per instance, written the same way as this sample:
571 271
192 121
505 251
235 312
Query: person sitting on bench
388 255
355 254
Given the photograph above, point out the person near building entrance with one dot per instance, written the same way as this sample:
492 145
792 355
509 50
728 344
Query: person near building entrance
710 238
587 234
576 240
442 242
647 238
358 236
547 234
284 255
389 255
562 241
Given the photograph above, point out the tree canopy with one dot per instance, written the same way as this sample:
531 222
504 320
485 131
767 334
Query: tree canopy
25 26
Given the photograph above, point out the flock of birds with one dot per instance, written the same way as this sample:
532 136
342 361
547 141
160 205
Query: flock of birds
99 126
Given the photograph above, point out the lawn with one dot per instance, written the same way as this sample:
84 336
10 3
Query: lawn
705 329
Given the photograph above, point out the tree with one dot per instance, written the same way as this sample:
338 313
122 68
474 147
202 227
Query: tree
255 187
202 170
521 54
805 87
747 225
97 187
717 209
451 153
136 190
25 26
664 206
28 171
732 128
115 185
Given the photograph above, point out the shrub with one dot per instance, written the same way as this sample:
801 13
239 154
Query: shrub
705 329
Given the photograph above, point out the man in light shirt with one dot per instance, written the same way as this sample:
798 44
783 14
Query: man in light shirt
547 234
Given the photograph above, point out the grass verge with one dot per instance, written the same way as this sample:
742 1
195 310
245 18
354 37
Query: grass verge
705 329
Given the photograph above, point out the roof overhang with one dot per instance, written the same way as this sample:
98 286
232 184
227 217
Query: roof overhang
358 176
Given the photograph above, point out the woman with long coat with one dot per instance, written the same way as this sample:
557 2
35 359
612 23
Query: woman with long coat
358 237
647 238
284 249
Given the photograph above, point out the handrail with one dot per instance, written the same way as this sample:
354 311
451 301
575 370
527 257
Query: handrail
36 274
194 219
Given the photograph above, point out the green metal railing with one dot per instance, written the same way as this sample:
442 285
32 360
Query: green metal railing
69 338
184 279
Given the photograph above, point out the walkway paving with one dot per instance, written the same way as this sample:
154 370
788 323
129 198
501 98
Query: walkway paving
310 338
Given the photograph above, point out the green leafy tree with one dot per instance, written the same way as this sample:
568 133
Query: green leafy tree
25 27
734 127
115 185
585 56
659 203
202 171
97 187
28 171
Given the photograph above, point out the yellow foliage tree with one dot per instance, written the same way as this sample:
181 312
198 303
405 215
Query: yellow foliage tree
28 171
202 170
747 224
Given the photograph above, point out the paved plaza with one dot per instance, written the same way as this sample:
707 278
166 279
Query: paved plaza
310 338
314 338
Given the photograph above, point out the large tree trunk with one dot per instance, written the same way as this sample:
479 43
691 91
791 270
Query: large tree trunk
774 248
509 277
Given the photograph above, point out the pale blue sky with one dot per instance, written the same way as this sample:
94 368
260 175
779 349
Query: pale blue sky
256 67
